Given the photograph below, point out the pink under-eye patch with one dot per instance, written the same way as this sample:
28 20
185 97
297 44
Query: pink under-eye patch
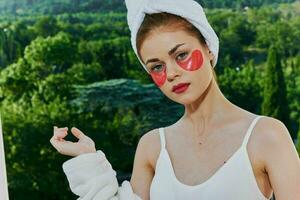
159 78
194 62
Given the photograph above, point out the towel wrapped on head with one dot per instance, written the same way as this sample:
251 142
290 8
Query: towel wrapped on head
188 9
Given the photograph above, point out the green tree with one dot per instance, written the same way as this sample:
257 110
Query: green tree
275 97
298 143
52 54
241 84
46 26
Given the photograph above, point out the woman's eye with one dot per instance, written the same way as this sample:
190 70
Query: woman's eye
156 68
182 56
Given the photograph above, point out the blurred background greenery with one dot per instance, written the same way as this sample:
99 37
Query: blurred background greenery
70 63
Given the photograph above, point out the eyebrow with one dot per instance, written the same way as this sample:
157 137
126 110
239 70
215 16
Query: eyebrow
170 53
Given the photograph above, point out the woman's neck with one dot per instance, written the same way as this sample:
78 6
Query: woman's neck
210 108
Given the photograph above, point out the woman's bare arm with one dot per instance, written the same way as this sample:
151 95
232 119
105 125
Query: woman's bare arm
281 161
143 172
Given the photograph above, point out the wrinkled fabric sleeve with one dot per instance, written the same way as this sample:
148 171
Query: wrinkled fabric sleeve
91 177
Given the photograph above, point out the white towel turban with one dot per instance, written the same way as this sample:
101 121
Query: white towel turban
188 9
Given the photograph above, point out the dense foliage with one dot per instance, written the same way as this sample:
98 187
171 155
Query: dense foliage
21 7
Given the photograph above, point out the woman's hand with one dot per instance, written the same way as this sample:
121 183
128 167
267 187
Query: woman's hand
83 145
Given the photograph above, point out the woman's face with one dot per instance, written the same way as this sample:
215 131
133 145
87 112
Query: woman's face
174 58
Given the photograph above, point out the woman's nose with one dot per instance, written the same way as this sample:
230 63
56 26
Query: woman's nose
172 71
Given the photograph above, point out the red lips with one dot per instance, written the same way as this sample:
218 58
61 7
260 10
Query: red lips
180 85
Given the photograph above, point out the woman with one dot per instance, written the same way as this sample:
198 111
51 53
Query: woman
216 150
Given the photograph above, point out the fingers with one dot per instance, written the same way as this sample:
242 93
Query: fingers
77 133
68 147
60 133
64 147
55 143
57 138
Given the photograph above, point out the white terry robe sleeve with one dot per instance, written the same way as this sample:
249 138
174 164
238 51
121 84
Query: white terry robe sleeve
92 177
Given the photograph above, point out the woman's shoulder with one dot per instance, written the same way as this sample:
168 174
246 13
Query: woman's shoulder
151 142
265 129
279 155
270 135
270 129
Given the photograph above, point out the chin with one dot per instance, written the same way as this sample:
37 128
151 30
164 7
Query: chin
183 99
187 101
